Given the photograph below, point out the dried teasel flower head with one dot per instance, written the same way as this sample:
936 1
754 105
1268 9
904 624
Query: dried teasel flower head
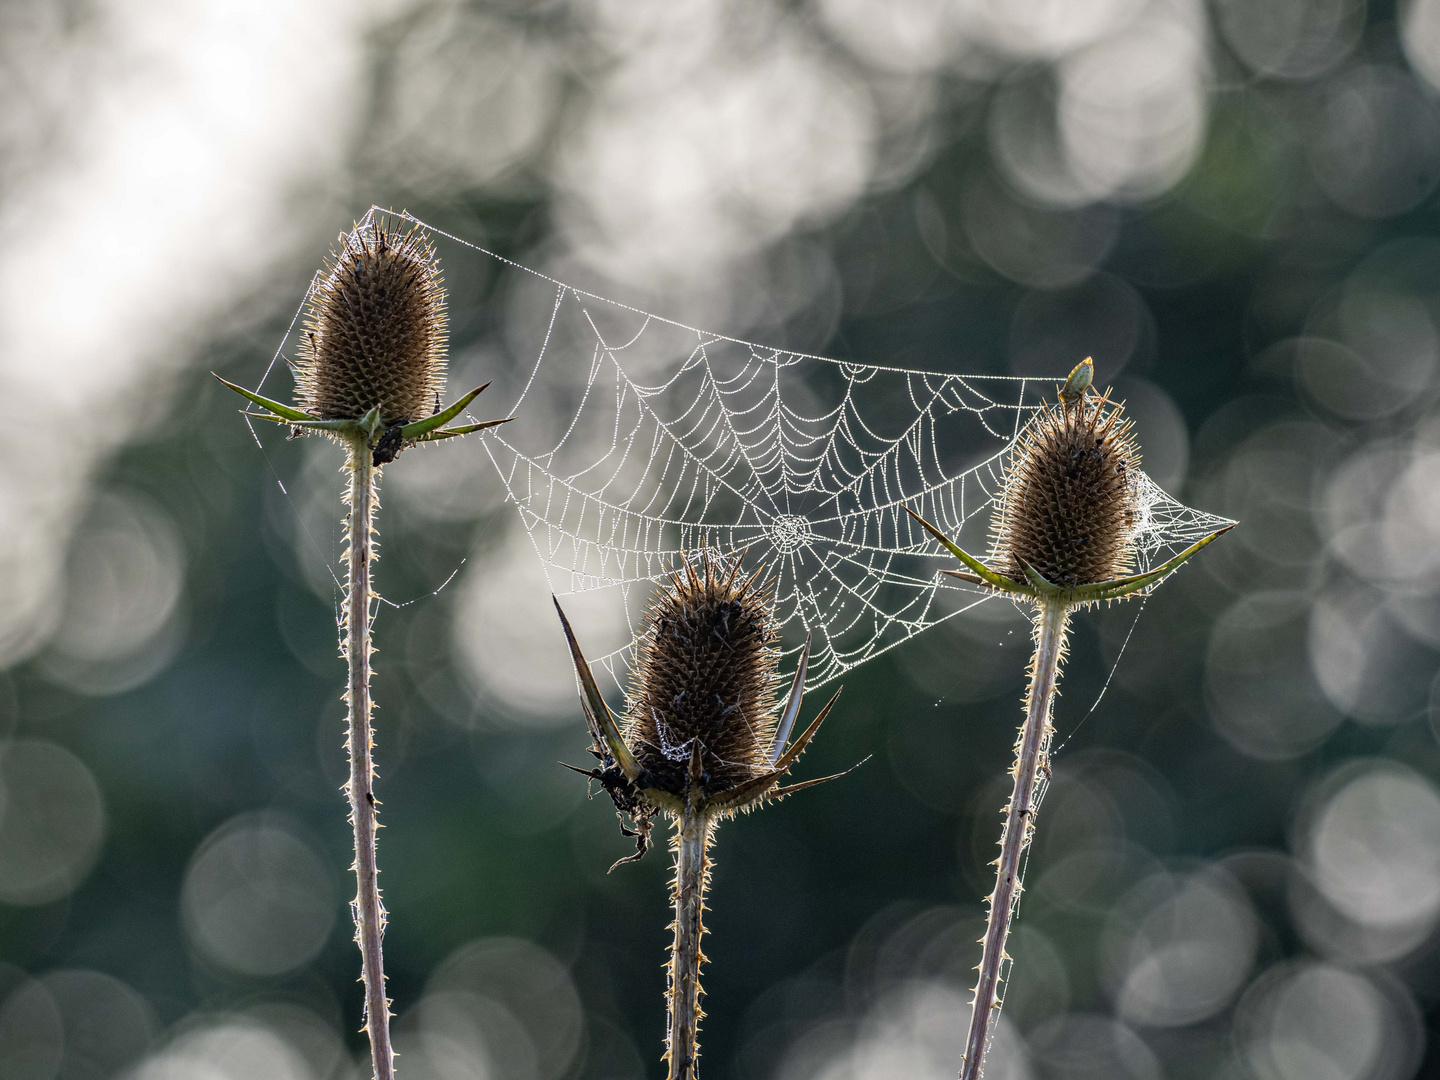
376 330
1069 512
705 679
705 731
1070 502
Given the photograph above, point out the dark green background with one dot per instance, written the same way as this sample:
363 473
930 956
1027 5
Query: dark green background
810 897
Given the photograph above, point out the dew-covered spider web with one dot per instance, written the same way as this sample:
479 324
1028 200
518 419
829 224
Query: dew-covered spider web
640 441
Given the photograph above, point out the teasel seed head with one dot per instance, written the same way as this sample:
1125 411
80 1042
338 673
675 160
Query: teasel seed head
704 732
372 361
1070 501
705 679
1068 514
376 330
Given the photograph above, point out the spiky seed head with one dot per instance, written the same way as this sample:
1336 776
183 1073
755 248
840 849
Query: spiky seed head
376 329
706 675
1070 504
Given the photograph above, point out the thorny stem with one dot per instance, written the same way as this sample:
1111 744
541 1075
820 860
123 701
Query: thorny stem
367 908
1031 753
692 873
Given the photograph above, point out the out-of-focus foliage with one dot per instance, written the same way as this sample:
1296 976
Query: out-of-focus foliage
1232 207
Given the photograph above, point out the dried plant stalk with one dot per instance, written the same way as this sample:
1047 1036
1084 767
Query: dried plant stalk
368 909
1032 752
692 877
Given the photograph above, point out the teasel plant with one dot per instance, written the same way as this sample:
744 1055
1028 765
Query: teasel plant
703 738
1064 537
370 375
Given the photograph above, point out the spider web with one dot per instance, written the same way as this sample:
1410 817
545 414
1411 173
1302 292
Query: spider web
641 441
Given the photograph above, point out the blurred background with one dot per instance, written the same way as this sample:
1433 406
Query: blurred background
1231 206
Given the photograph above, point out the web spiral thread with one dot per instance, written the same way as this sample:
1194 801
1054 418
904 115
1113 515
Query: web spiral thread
671 440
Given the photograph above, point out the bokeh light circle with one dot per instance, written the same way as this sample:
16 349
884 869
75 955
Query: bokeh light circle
1373 846
1260 690
1303 1020
257 900
511 999
1291 39
32 1034
1086 1046
1132 109
106 1025
508 647
234 1048
1377 153
119 624
1185 950
52 821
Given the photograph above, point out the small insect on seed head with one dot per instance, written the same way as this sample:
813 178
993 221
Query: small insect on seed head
1078 381
376 330
1070 503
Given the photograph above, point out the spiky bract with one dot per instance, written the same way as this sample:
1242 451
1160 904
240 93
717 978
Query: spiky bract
706 675
1070 502
376 330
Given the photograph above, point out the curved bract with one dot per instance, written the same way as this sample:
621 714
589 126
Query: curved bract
385 442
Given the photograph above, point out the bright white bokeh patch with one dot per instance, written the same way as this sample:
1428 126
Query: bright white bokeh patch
233 1048
913 1033
1132 108
176 164
901 36
697 150
512 648
1374 846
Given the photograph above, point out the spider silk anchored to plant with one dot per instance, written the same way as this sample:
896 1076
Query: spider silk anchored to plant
706 733
370 375
1064 537
703 739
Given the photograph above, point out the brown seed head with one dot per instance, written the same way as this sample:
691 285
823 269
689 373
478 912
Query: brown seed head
706 675
1069 505
375 333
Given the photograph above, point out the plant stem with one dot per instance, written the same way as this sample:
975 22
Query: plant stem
367 909
692 875
1031 753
